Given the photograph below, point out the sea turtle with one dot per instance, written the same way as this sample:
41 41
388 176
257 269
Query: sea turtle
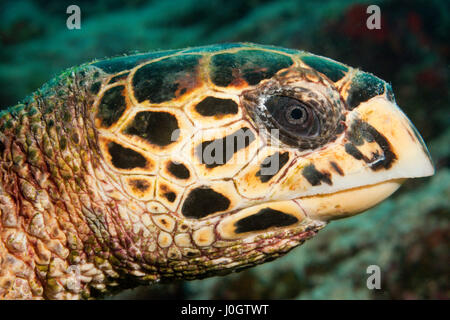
188 163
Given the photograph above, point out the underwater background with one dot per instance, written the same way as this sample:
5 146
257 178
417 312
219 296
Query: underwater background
407 236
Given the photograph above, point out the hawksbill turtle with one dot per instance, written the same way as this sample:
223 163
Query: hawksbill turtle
188 163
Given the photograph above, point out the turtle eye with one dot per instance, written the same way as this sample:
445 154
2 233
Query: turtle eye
294 116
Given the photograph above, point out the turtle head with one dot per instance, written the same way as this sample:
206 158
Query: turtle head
189 163
234 157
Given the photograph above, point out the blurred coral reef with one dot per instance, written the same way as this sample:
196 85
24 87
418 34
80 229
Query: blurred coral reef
408 235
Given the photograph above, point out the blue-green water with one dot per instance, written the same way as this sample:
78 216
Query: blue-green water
408 235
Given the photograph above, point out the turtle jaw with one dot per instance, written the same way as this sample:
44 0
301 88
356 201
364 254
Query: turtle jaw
346 203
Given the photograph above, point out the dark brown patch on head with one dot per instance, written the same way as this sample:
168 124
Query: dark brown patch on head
124 158
111 106
204 201
155 127
168 193
225 147
191 254
166 79
119 77
95 87
341 127
316 177
249 65
332 69
354 152
75 137
337 168
364 86
164 222
178 170
211 106
139 184
275 162
170 196
361 132
264 219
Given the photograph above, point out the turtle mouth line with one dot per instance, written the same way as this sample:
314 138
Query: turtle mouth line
347 202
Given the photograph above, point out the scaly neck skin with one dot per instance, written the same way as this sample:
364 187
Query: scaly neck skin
53 225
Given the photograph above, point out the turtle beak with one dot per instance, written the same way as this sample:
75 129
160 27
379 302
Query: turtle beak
380 149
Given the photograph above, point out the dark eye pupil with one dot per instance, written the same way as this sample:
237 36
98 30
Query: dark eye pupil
296 113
